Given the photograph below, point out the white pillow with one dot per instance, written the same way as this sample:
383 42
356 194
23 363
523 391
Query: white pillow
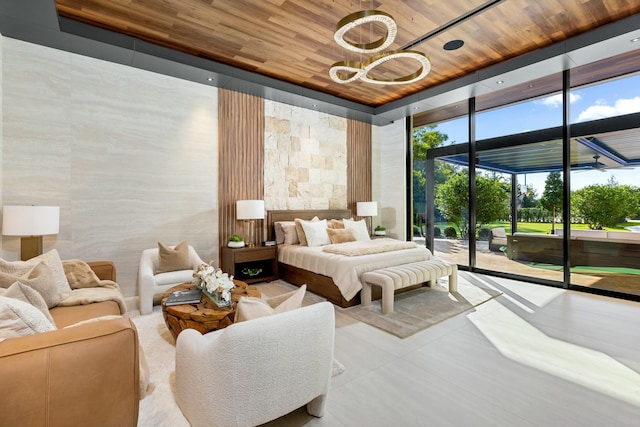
59 285
359 228
18 318
316 232
252 308
24 293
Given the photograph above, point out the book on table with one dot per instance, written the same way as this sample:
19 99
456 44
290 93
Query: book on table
189 296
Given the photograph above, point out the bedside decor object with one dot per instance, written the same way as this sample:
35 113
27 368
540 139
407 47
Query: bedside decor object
214 283
367 209
249 211
31 223
251 272
380 231
236 241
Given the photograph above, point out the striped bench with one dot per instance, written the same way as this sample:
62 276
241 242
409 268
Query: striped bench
401 276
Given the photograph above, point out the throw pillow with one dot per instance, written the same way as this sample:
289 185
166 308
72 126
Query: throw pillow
359 229
316 232
336 223
24 293
79 274
341 235
40 279
290 234
18 318
252 308
173 258
278 227
16 269
299 229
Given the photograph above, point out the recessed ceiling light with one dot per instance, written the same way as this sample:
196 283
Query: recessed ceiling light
637 39
500 82
209 79
531 85
453 45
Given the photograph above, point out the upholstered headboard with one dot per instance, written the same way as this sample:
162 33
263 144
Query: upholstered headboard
274 216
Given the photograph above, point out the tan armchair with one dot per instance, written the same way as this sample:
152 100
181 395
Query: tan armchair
79 376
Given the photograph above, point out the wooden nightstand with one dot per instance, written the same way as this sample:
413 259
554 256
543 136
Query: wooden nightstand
234 261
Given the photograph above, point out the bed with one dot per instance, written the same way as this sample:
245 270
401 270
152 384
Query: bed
340 284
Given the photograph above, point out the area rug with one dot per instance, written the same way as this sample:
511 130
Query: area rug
421 308
159 407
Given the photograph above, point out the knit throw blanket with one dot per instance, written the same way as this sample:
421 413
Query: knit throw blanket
88 288
368 247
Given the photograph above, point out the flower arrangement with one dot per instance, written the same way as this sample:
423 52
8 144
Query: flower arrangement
214 282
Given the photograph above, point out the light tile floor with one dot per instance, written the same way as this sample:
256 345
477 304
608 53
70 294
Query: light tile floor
535 356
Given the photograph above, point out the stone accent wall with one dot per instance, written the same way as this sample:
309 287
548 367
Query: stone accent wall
305 159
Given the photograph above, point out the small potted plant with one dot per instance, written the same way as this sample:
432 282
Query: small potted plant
236 241
380 231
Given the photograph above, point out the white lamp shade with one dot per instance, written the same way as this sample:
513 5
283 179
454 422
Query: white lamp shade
367 208
30 220
250 209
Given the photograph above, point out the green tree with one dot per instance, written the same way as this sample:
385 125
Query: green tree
604 205
492 200
552 197
426 138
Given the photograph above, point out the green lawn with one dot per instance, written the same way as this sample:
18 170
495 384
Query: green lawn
535 227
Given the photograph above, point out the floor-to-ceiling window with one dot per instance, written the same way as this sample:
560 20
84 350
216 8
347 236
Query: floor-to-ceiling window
605 203
520 170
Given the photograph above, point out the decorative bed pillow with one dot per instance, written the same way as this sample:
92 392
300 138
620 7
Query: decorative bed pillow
336 223
290 234
173 258
18 318
300 230
24 293
252 308
316 232
278 227
341 235
12 271
359 229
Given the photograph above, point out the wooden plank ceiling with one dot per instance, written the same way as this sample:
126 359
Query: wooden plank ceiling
292 40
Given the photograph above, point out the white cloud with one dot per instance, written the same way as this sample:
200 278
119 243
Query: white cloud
600 111
555 101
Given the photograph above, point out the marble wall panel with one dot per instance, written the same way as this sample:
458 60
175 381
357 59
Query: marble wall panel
388 177
130 156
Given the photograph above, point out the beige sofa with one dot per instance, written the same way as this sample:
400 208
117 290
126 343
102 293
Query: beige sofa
79 376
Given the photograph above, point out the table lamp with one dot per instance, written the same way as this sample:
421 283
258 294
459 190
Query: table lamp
367 209
249 211
30 223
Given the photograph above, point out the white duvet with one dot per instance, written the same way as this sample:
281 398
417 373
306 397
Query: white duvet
346 270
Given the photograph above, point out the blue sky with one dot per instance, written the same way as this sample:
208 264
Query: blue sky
613 98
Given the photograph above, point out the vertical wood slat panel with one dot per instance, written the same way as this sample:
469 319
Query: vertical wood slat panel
359 167
241 158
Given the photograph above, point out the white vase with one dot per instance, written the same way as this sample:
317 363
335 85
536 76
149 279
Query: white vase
235 244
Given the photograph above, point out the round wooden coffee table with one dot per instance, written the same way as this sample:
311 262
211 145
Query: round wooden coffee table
204 316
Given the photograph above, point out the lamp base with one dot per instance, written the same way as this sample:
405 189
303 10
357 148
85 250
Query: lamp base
30 247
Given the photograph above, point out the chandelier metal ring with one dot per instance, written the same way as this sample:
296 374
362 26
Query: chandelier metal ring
349 71
362 17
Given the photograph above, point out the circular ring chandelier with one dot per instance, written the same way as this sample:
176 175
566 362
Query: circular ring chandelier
348 71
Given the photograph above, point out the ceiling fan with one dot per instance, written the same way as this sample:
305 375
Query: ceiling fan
597 164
